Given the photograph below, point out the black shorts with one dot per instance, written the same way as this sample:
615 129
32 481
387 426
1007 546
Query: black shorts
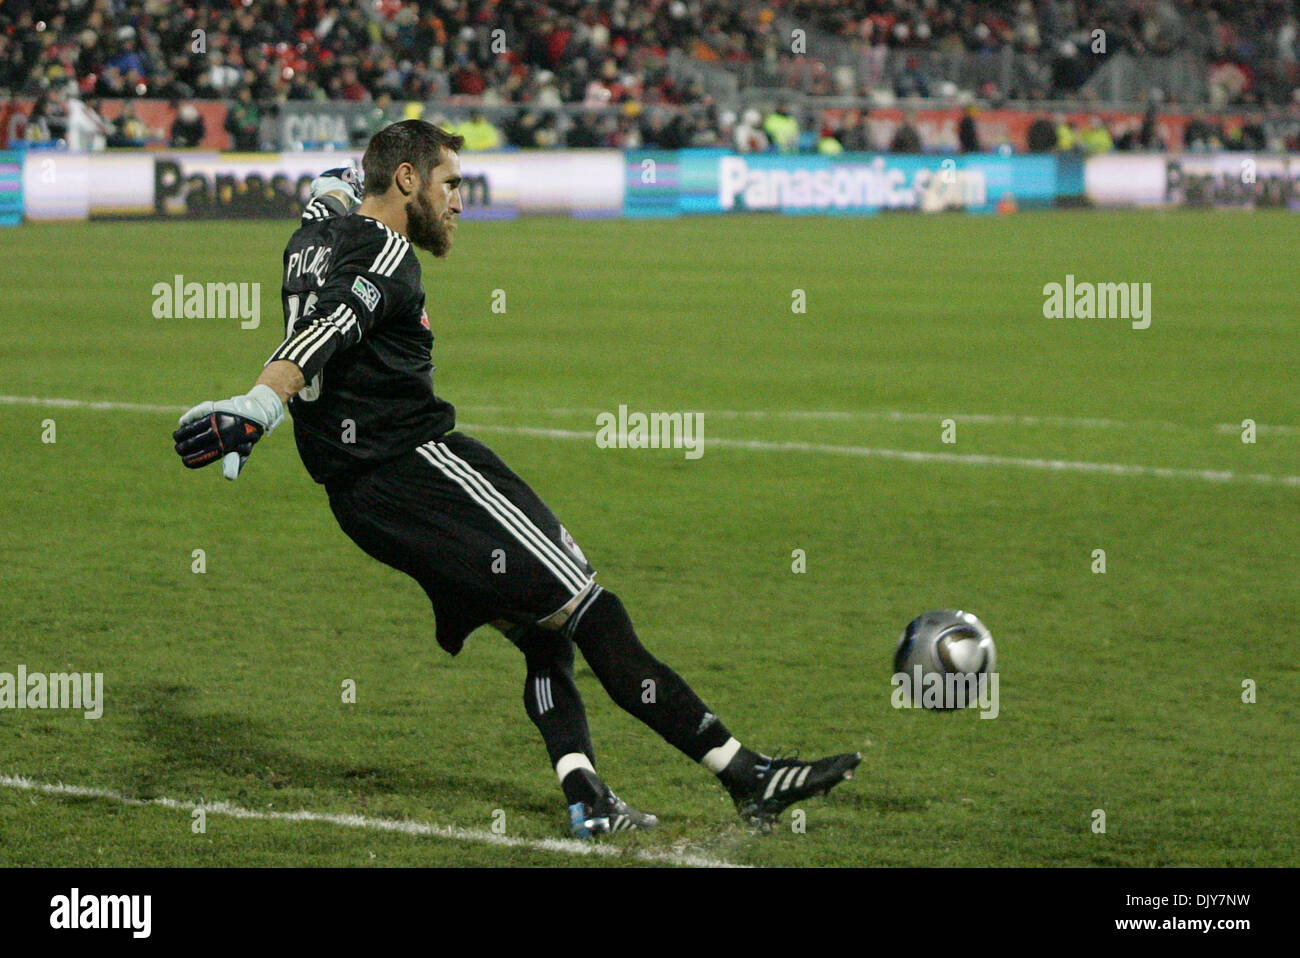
454 517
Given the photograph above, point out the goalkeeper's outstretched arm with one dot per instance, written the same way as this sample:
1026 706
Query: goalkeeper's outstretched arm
228 430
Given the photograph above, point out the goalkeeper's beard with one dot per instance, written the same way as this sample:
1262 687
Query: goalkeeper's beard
426 229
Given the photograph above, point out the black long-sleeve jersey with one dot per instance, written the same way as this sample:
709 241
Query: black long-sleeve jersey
355 324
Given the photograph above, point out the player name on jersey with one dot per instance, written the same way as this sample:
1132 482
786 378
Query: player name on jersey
313 261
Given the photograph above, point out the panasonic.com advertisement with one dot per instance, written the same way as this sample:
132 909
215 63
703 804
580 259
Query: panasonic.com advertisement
718 181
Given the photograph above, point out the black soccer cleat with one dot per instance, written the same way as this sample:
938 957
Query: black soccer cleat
780 782
608 814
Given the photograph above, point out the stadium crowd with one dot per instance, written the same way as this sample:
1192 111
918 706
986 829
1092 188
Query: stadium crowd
608 56
560 51
1220 29
570 51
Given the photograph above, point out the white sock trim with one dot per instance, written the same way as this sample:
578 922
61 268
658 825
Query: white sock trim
571 762
716 759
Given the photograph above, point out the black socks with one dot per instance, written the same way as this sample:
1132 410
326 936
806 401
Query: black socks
636 681
641 684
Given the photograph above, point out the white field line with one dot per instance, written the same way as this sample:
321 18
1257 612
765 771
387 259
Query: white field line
565 846
87 404
810 415
760 445
953 458
891 415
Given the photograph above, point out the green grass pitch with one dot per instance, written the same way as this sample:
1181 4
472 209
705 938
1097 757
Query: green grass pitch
1119 691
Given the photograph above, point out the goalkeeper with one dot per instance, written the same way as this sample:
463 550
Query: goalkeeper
355 369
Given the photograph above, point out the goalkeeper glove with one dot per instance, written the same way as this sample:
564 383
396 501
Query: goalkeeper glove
227 430
344 179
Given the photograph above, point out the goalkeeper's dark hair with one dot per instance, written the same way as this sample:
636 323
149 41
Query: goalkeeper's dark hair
411 141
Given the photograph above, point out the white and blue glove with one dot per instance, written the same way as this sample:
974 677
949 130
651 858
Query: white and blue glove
227 430
347 180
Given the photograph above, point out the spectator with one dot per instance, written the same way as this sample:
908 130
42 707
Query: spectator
1227 82
1149 134
546 134
679 131
1069 71
220 79
913 80
130 60
727 123
349 87
654 131
521 130
1232 135
1288 50
906 138
828 141
188 129
479 134
37 127
548 92
749 136
1252 133
1096 138
87 130
1282 129
1041 137
1199 135
244 122
128 130
15 124
1127 135
782 129
702 129
111 83
373 119
56 115
583 134
626 136
856 133
967 135
1067 141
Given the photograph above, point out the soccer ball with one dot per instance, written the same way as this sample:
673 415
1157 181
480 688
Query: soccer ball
944 653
